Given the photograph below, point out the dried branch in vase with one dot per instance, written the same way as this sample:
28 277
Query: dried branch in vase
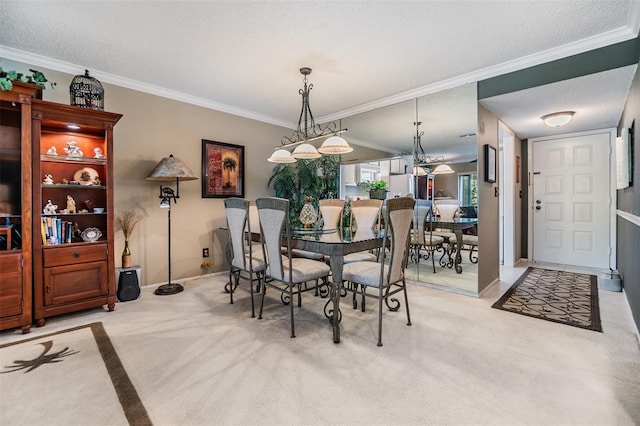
127 220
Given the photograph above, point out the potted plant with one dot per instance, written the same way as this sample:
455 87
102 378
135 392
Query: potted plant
8 77
377 188
128 219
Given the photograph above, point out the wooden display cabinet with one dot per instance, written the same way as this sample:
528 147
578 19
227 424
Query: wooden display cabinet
15 207
73 220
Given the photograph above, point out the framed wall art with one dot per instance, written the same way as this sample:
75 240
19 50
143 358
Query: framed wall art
222 170
489 163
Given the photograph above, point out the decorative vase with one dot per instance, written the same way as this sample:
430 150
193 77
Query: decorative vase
126 255
308 215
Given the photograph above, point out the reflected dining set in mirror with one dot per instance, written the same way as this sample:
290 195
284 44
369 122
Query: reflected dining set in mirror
269 256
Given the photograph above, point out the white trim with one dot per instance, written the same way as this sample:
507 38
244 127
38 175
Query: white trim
634 17
629 216
580 46
104 77
612 189
590 43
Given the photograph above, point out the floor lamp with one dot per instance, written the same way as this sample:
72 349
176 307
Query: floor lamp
170 169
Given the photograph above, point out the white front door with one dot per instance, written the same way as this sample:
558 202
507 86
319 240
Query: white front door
571 203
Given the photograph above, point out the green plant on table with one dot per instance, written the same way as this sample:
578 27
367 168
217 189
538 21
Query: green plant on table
373 184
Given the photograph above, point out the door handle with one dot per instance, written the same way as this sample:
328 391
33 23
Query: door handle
538 207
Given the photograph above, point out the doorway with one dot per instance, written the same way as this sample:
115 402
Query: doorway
572 200
507 195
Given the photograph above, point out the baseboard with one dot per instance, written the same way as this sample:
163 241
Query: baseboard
185 280
444 288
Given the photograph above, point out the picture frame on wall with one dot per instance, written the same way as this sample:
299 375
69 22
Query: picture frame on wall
222 170
489 163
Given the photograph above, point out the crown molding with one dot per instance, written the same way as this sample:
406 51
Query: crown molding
104 77
569 49
580 46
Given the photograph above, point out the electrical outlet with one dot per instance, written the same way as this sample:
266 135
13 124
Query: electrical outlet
205 252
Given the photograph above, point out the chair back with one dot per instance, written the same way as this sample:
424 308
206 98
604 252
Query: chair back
274 223
447 209
238 222
365 213
421 211
331 213
399 219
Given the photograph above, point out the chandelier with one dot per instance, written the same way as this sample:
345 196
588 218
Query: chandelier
420 159
308 131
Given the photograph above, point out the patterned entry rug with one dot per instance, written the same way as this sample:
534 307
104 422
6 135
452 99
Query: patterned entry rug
557 296
79 377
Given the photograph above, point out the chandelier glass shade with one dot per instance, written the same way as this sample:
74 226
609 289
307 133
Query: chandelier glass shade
281 156
442 169
306 151
335 145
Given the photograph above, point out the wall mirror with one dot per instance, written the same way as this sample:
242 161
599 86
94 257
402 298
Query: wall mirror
446 134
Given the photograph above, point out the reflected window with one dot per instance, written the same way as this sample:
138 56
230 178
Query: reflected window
468 189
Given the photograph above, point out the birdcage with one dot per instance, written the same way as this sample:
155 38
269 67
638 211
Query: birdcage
86 92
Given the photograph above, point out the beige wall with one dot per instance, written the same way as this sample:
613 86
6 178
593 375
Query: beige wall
449 182
153 127
488 208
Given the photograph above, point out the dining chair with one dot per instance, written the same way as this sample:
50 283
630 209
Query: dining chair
331 213
241 253
423 238
330 217
290 272
446 210
365 216
388 275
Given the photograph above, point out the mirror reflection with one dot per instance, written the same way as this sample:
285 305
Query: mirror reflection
420 135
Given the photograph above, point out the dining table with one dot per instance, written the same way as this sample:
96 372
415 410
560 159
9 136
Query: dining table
457 225
335 244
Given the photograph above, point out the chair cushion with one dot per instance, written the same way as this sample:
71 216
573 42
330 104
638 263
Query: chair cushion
365 273
307 254
433 241
446 235
304 269
257 263
470 239
360 257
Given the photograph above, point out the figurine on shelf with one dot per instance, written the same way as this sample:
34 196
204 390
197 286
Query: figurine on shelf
48 179
98 153
89 205
65 181
96 181
50 208
52 151
72 149
71 204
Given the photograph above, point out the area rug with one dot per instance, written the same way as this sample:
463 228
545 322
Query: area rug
80 379
562 297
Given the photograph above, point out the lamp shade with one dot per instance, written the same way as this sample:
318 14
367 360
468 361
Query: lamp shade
558 119
281 156
335 145
442 169
306 151
169 169
419 171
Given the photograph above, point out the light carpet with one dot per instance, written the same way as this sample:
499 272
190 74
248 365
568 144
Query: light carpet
194 359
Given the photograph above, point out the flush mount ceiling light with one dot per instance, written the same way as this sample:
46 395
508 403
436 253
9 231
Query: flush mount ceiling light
558 119
442 169
307 131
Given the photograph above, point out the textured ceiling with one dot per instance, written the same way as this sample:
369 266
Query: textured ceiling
243 56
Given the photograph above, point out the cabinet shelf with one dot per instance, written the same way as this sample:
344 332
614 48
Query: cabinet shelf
72 185
73 160
74 214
